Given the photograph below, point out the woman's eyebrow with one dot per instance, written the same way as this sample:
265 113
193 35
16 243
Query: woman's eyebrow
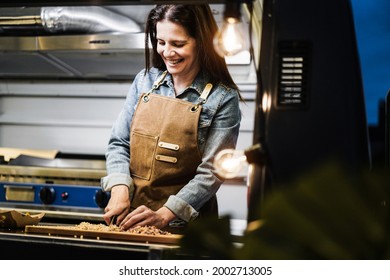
174 41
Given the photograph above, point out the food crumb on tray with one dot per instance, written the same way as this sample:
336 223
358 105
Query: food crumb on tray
148 230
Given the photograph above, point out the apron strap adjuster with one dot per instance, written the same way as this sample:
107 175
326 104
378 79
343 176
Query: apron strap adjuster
155 86
203 97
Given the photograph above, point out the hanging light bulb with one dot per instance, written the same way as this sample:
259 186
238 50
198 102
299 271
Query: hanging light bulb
231 37
230 163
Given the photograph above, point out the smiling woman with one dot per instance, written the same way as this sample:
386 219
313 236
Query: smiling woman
55 101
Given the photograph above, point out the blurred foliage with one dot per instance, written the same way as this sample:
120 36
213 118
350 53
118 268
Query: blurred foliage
208 238
329 213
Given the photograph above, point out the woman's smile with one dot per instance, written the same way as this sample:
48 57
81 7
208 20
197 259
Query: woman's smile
173 62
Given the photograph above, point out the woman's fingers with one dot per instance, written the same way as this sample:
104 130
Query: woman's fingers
141 216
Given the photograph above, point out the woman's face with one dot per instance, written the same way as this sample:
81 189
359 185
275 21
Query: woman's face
177 49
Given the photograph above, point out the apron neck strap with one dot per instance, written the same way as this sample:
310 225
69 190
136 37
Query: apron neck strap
157 83
159 80
205 93
203 97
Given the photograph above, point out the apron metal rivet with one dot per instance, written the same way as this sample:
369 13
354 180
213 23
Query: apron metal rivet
194 108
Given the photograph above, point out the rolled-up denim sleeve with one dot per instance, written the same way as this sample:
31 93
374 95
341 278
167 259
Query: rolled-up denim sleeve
114 179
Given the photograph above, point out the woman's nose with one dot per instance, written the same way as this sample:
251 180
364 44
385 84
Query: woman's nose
168 52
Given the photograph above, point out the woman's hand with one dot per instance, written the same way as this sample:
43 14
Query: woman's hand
143 216
118 205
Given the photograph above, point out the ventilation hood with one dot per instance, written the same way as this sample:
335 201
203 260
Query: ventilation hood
72 42
91 42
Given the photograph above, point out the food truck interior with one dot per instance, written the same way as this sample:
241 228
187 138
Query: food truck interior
65 71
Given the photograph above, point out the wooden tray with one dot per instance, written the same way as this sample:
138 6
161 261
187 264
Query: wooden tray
62 230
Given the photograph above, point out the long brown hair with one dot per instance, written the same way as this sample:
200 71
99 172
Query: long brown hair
199 22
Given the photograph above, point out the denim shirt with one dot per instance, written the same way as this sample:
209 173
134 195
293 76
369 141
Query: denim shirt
218 129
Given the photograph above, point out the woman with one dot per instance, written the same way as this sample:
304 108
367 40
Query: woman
159 157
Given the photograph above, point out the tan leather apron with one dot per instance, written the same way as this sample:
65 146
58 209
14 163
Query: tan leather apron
164 147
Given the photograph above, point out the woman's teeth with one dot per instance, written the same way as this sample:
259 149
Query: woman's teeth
174 61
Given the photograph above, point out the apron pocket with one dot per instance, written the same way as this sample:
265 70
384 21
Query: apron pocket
142 150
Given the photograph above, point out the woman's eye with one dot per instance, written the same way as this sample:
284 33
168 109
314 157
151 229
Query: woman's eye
178 45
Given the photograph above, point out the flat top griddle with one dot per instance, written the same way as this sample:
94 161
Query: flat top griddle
63 186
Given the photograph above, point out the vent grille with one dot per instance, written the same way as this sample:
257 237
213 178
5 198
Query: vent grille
58 176
294 58
49 180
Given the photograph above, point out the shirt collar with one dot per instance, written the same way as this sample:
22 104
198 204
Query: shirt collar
198 83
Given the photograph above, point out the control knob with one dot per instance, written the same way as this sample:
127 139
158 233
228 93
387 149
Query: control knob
102 198
47 195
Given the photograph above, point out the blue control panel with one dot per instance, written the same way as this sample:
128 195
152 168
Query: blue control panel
62 196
